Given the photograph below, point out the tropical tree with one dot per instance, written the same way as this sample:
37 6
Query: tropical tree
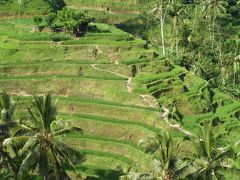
211 9
164 163
74 21
37 21
44 146
57 5
211 160
156 10
7 109
177 9
50 19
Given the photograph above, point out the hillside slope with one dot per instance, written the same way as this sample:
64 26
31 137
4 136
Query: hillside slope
29 7
112 86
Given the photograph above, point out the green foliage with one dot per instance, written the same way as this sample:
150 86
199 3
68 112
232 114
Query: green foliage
50 19
41 134
37 21
185 41
56 4
212 161
164 163
74 21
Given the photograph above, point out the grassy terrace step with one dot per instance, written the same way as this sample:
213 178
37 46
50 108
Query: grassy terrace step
105 89
58 70
97 172
224 112
117 5
36 55
221 99
191 122
122 148
134 61
105 159
108 139
27 36
9 8
155 78
107 36
101 164
76 62
164 86
107 103
70 77
120 112
79 99
111 43
118 128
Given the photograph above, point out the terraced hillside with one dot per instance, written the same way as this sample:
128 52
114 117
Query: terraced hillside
115 12
111 85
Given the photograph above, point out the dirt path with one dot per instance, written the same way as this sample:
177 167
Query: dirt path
178 127
150 100
129 82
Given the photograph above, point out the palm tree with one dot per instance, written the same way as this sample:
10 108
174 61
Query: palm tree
211 160
177 11
7 109
231 69
44 148
164 164
157 9
211 9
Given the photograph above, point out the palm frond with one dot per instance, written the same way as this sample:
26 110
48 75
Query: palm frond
64 132
30 144
28 162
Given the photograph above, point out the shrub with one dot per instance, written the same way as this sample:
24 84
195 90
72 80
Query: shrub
74 22
37 21
50 19
56 4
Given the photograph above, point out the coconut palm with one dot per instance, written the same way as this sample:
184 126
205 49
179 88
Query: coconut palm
164 164
44 148
7 109
210 160
157 10
211 9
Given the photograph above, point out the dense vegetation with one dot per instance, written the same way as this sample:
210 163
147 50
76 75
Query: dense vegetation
198 35
166 107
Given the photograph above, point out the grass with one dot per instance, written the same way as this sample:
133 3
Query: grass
91 88
114 121
27 7
107 155
151 79
129 114
119 147
117 5
58 70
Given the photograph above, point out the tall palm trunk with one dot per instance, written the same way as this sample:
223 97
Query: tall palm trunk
176 35
195 17
162 27
213 35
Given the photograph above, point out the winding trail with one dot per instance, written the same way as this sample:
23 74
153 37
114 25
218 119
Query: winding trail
178 127
129 82
150 100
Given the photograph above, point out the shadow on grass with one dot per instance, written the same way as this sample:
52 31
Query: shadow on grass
100 174
133 26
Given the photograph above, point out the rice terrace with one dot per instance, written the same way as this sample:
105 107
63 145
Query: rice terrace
120 89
